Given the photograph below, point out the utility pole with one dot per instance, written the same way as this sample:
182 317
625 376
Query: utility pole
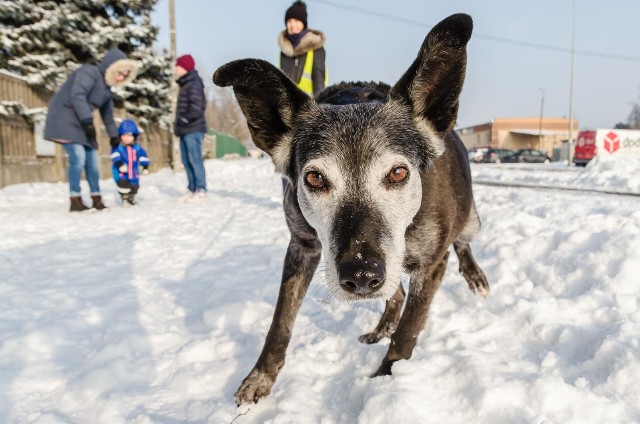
540 126
573 48
176 163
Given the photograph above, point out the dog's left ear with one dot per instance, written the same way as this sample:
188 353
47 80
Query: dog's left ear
269 101
432 84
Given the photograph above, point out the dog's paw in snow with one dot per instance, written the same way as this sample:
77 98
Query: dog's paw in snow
256 385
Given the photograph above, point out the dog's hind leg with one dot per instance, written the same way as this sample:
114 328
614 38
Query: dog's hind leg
389 319
470 270
300 264
468 267
424 284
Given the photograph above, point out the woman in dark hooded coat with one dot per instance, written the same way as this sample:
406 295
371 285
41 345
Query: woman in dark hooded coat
70 119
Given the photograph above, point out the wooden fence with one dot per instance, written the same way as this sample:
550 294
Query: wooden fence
25 157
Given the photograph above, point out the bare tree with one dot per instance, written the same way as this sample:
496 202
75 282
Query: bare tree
224 115
212 112
634 117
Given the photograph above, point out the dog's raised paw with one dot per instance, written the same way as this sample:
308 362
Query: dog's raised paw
483 290
256 385
479 284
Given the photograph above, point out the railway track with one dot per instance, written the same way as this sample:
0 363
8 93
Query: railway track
553 187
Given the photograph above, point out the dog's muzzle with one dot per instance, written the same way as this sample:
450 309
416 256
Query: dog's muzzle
362 277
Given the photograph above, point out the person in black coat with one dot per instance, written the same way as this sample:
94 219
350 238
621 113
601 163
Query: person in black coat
302 53
70 120
190 124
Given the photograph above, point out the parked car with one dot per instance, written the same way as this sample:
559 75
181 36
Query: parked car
527 156
473 153
488 155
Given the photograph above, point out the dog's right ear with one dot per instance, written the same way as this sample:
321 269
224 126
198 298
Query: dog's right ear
269 101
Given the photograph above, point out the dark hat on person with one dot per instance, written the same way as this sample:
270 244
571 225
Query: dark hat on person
186 62
298 10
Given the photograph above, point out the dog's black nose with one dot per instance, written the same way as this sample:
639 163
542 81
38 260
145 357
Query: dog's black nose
362 277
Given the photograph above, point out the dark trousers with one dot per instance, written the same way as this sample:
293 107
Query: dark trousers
126 188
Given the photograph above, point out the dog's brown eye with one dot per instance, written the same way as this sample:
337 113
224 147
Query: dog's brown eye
398 174
315 179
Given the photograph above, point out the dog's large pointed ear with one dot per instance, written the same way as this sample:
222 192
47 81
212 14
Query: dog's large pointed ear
269 101
432 85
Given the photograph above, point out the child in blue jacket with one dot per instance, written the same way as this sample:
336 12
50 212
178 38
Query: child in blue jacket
127 157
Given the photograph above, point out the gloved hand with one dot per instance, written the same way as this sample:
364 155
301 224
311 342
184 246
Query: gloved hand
122 167
89 130
114 141
145 170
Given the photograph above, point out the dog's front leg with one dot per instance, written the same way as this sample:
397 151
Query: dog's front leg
424 284
389 319
300 264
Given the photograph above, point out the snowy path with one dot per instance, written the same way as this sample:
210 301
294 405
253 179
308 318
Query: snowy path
155 314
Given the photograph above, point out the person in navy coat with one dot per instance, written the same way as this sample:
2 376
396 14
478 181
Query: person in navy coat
190 124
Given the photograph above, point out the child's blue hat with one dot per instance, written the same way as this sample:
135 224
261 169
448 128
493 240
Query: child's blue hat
128 127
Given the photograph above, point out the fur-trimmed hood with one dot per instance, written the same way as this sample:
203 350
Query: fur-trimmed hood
312 40
86 89
116 61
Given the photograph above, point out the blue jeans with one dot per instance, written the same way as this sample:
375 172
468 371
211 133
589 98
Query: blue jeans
82 157
191 152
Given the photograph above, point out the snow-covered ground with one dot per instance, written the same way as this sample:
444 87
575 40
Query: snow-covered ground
154 314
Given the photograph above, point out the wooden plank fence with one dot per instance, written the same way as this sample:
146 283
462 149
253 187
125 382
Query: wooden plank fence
15 88
20 161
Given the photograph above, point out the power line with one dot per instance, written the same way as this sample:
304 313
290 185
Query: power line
482 36
559 49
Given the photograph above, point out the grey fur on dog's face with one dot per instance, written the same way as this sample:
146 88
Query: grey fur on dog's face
361 214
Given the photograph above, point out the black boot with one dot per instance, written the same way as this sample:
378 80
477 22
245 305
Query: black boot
77 205
130 198
97 202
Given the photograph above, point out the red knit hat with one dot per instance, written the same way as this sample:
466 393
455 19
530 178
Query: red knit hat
186 62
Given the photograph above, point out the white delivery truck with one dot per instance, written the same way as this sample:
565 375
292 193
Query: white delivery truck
606 142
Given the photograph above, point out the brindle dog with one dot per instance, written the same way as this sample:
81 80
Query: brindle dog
378 182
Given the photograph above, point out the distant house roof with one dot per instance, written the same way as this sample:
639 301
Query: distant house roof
537 132
525 123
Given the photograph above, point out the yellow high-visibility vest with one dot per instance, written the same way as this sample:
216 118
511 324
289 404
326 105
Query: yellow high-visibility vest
306 83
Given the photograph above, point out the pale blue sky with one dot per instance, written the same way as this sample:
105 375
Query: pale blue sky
378 39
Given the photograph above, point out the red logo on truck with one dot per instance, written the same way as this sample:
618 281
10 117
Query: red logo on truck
611 142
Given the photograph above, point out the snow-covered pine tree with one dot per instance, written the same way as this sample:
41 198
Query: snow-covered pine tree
46 40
